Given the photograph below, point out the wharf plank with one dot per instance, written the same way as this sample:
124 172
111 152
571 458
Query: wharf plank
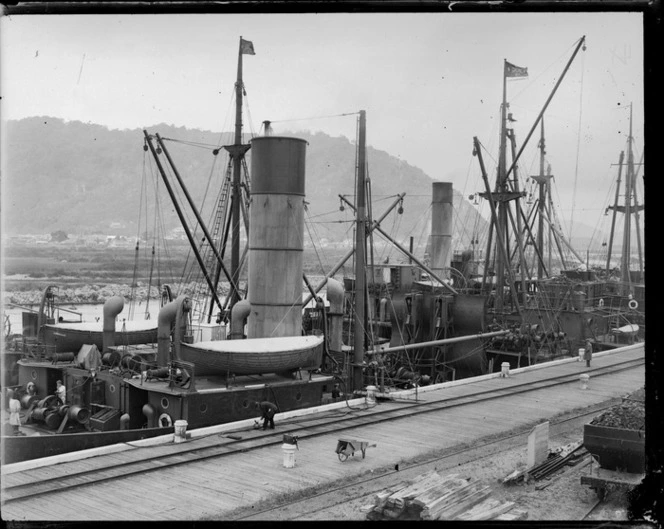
24 510
165 493
77 504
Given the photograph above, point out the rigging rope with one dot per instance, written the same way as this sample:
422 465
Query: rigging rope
578 150
314 117
313 242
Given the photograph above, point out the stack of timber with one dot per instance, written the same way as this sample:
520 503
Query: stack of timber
570 454
431 496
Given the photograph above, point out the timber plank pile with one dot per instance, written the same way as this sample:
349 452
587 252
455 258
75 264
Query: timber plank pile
431 496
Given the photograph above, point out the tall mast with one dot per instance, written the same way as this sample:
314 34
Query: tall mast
615 212
502 193
501 186
237 152
360 257
627 229
540 204
631 207
543 184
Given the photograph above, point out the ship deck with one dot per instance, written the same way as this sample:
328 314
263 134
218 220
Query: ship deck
231 467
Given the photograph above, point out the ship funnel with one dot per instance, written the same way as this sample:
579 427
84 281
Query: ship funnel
112 308
170 314
442 213
276 235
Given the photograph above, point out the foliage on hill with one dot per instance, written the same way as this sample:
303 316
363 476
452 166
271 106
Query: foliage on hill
82 178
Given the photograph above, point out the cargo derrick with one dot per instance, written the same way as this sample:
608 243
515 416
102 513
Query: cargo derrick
116 392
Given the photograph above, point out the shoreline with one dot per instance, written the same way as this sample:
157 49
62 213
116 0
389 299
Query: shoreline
90 294
96 293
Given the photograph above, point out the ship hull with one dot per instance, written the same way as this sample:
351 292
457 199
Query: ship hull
150 407
22 448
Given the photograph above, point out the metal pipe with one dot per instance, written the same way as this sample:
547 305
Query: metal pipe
444 341
165 320
150 414
112 308
239 314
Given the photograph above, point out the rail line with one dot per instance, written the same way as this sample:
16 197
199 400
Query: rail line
375 479
305 428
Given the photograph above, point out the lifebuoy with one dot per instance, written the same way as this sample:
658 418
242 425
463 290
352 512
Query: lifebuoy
600 303
633 304
165 420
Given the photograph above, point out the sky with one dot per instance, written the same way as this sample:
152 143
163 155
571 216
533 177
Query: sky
429 83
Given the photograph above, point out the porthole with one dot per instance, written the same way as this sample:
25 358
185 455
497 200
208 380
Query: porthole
111 388
33 374
203 408
298 396
245 403
164 403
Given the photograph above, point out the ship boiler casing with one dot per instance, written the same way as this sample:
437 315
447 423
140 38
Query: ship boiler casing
276 235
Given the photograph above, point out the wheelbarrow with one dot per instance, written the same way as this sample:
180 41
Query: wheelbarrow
348 447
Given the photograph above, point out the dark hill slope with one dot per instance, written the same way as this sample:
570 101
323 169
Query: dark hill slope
84 178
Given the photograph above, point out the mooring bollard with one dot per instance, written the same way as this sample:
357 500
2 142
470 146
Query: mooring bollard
584 381
505 369
582 353
180 433
371 394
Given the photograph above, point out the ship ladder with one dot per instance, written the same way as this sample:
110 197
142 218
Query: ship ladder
208 255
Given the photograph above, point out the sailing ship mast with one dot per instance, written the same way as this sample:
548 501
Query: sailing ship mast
210 254
237 153
359 338
628 209
505 191
544 186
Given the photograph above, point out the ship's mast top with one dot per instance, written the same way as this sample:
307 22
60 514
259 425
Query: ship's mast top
237 152
360 242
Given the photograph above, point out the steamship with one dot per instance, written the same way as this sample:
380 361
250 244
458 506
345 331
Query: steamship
392 325
203 372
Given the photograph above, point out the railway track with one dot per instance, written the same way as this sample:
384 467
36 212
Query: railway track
378 482
304 428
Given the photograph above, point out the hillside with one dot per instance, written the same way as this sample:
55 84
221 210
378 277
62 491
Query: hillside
83 178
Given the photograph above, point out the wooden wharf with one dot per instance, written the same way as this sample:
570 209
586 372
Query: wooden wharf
227 468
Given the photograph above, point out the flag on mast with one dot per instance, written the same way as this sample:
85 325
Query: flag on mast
515 71
247 47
